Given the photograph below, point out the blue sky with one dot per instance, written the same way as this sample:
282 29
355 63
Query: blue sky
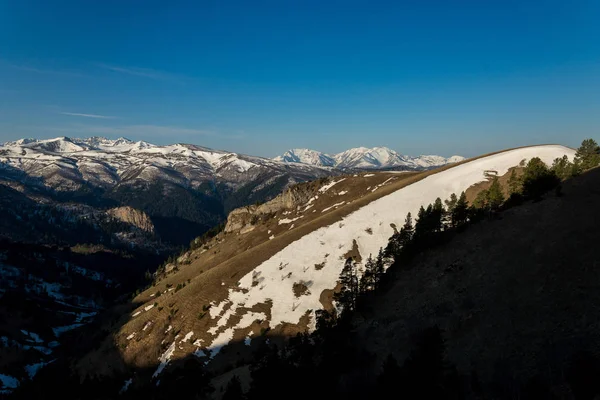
421 77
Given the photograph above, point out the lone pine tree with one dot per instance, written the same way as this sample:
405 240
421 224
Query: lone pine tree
588 154
495 197
350 289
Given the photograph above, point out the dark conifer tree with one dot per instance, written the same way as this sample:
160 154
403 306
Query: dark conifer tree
538 179
495 197
588 154
481 200
367 281
422 228
408 228
379 268
565 169
437 216
429 223
374 270
460 212
451 203
514 184
399 240
349 292
326 320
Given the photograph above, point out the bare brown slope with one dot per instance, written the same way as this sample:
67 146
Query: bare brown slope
521 291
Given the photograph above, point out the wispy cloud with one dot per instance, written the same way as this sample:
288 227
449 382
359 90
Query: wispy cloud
140 131
87 115
127 70
45 71
142 72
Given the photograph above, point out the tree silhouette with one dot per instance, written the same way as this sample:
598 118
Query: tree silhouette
481 200
451 203
437 217
326 320
495 197
538 179
379 267
349 291
367 281
588 154
460 212
400 240
515 186
565 169
374 270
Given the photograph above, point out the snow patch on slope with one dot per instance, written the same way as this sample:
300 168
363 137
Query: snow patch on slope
328 186
165 358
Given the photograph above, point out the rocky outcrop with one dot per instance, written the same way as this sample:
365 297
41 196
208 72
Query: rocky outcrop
130 215
242 219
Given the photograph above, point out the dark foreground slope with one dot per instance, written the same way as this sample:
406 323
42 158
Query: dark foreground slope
516 297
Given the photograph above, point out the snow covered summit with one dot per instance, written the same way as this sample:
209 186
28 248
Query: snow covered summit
365 158
306 156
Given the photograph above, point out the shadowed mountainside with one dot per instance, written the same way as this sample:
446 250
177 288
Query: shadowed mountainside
515 295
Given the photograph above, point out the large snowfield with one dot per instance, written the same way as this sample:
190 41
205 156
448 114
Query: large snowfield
296 262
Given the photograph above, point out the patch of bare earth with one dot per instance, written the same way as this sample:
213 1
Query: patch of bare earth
300 289
326 297
353 253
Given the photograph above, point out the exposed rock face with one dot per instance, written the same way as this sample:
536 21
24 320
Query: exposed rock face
134 217
241 219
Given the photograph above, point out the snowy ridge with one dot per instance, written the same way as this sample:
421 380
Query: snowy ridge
365 158
66 163
326 246
306 156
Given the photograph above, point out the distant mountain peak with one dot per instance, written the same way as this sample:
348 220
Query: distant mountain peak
306 156
379 157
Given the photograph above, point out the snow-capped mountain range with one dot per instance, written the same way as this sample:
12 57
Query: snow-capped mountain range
179 185
365 158
64 162
183 186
